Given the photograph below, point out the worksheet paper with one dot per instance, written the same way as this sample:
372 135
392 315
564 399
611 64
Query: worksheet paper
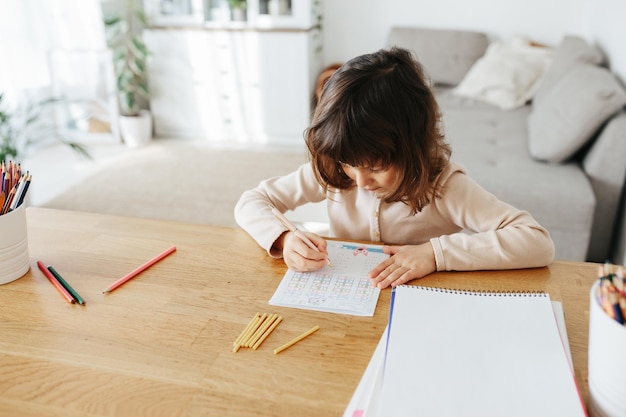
343 287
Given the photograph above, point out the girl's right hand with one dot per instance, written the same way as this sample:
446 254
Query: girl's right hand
299 256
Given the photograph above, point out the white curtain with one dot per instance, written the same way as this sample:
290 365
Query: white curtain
31 29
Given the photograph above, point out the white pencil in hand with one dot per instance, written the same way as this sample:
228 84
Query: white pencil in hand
292 228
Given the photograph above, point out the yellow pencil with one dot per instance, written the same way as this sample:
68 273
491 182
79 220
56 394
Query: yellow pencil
296 340
262 328
245 342
237 342
267 333
290 226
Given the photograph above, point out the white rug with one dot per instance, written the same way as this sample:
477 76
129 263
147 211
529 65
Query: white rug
182 181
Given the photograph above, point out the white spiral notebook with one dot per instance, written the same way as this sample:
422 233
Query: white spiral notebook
463 353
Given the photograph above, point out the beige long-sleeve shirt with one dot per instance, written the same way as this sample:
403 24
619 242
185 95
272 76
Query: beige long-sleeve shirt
468 227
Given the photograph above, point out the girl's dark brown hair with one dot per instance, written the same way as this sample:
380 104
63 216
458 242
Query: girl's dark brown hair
378 110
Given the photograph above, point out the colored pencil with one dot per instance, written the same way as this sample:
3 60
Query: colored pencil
245 342
267 332
7 201
296 340
139 270
237 343
67 286
56 283
20 198
292 228
18 192
262 328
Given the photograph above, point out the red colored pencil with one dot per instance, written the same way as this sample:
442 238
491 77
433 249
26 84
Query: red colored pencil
138 270
56 283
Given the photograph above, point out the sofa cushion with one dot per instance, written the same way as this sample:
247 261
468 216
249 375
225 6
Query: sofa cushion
446 55
571 51
607 174
507 75
572 111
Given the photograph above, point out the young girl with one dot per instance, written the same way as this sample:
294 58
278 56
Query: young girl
379 159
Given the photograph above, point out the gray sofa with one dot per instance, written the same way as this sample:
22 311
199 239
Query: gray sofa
561 155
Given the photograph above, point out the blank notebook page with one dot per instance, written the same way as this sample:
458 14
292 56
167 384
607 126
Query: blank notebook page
456 353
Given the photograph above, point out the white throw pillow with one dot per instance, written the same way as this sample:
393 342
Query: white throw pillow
571 51
571 112
507 75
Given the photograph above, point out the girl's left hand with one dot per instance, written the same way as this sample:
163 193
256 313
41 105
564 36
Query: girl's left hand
404 264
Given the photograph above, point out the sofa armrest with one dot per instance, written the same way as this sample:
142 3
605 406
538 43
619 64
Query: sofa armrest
605 166
447 55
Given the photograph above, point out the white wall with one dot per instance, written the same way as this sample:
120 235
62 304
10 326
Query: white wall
354 27
607 26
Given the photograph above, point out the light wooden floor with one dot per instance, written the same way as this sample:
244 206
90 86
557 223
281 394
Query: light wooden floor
170 179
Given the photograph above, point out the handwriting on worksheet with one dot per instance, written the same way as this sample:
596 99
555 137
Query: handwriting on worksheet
344 287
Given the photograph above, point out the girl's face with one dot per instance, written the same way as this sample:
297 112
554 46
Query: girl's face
378 180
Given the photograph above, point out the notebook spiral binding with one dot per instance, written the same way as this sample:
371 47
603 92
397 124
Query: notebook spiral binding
485 293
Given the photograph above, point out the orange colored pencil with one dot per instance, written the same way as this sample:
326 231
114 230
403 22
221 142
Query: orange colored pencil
8 200
138 270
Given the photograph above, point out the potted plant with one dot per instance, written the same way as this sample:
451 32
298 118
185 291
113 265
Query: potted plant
238 10
24 127
130 55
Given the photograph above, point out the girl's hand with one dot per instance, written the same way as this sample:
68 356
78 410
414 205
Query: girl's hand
404 264
299 256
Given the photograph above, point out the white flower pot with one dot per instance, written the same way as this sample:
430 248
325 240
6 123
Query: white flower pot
136 131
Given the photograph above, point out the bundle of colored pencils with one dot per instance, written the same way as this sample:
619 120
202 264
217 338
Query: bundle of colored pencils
612 292
13 186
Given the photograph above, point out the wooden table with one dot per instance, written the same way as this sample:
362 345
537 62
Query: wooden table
161 345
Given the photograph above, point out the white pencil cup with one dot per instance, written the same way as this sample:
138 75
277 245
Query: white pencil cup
607 362
14 260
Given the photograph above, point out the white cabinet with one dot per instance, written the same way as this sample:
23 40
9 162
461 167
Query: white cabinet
249 86
302 14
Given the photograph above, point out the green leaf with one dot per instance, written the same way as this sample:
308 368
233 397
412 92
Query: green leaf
79 149
142 88
129 57
119 54
142 17
140 65
140 45
112 20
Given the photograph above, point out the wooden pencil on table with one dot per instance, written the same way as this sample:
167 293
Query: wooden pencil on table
139 270
296 340
66 285
56 283
257 330
237 343
266 324
248 337
267 332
